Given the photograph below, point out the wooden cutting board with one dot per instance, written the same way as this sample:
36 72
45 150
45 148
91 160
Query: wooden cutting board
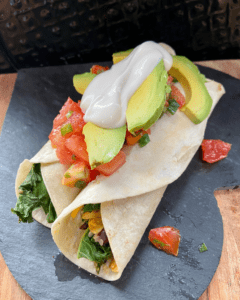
225 284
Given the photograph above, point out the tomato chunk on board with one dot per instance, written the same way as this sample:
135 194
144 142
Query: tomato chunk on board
214 150
166 238
113 165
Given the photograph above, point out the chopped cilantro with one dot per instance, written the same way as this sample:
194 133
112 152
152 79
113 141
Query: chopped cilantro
202 248
160 243
173 106
144 140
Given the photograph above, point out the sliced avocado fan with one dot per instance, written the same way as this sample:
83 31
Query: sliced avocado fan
81 81
118 56
147 103
198 101
103 144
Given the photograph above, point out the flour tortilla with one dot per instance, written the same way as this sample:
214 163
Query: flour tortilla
130 196
52 173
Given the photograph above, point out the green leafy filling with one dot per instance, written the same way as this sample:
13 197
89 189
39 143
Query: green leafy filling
93 251
33 194
91 207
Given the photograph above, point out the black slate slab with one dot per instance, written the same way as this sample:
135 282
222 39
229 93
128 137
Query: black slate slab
188 204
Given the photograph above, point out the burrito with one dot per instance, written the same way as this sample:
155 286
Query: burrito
102 227
38 186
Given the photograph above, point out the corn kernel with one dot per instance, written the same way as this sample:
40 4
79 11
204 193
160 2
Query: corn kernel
95 225
75 212
91 214
113 266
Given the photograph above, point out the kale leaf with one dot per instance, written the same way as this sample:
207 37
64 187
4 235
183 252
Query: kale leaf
33 194
91 207
93 251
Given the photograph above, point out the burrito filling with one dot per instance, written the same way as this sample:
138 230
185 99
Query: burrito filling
94 244
32 195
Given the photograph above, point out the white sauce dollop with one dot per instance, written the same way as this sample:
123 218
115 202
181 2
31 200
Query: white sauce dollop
106 98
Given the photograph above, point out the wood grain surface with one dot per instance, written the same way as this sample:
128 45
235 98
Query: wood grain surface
225 284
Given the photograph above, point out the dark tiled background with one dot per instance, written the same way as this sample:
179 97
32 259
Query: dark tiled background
37 33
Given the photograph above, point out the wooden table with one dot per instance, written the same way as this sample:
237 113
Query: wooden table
225 284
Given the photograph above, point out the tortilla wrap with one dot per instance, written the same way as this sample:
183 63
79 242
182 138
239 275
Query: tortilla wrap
52 173
130 196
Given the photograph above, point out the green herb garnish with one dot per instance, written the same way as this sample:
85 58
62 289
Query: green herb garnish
74 157
93 251
160 243
175 80
144 140
202 248
33 194
67 175
80 184
173 106
65 129
68 115
90 207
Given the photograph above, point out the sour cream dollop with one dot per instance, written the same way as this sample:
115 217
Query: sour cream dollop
106 98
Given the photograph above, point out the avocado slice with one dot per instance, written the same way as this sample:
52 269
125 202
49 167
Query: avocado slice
198 101
81 81
103 144
147 103
117 57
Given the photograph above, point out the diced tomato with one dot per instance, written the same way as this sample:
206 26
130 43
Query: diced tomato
178 96
214 150
78 175
68 107
65 156
93 174
131 140
165 238
112 166
56 138
77 122
77 146
96 69
170 80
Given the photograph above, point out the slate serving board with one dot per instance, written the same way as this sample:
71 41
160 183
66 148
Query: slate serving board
188 204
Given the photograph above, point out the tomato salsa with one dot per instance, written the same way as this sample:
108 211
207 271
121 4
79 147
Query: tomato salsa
69 141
